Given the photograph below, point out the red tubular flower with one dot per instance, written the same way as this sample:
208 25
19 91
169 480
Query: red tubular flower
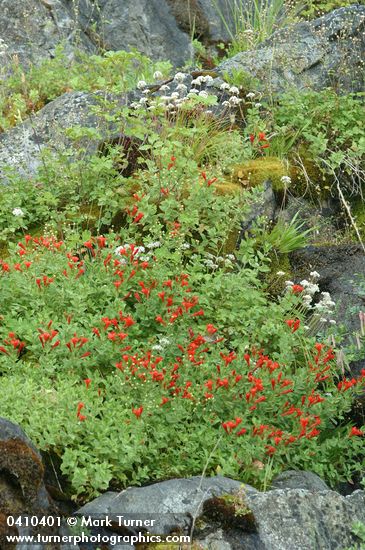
87 382
137 412
355 432
297 289
164 401
138 217
294 324
211 329
241 432
101 241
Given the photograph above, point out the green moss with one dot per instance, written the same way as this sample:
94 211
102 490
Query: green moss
308 179
358 212
257 171
276 283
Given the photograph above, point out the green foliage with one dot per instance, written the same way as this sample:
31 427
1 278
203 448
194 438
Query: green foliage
141 346
122 340
255 22
25 92
315 8
287 237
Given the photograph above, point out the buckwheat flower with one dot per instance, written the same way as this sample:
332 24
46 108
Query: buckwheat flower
185 246
164 341
143 101
155 244
193 91
181 88
332 322
234 100
226 104
231 257
164 88
203 94
286 180
208 80
141 84
280 273
157 348
234 90
180 77
289 283
250 95
174 95
18 212
197 81
134 105
224 86
314 274
257 105
157 75
323 320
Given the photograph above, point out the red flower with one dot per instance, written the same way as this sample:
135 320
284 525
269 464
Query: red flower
138 411
293 324
355 431
211 329
138 217
87 382
297 289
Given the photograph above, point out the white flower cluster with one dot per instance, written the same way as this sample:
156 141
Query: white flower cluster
199 80
138 250
162 344
155 244
18 212
213 262
324 308
286 180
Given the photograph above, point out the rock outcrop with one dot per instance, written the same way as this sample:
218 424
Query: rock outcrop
226 514
326 52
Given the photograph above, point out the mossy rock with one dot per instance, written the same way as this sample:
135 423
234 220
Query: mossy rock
257 171
357 206
308 179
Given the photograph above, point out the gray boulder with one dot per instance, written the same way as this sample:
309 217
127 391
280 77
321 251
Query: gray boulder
170 505
226 514
21 147
297 479
147 25
31 30
328 51
340 268
301 519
